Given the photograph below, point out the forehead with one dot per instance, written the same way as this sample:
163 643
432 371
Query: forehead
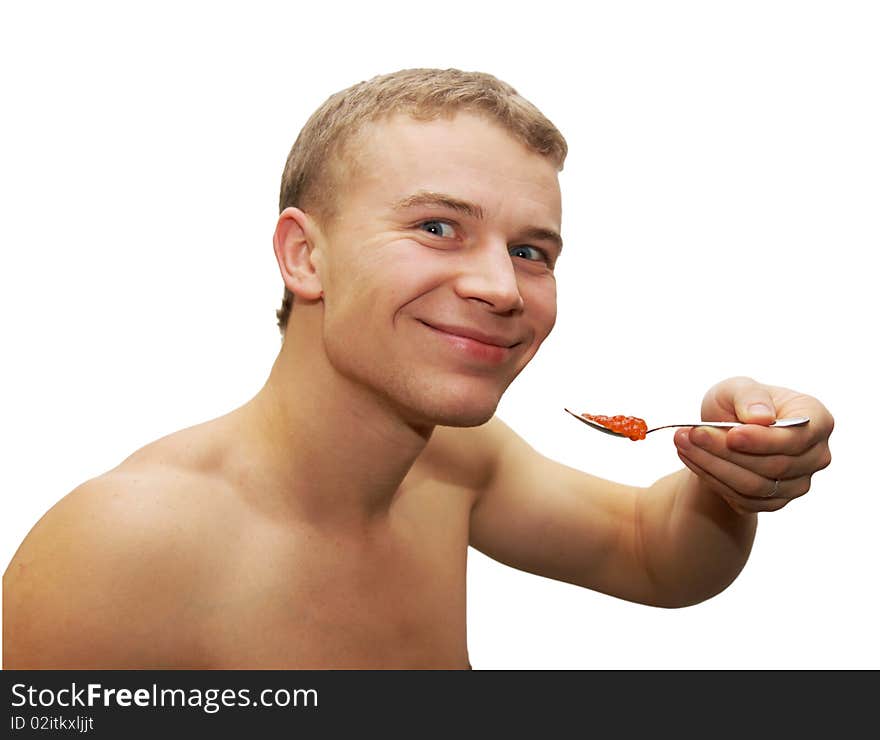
468 156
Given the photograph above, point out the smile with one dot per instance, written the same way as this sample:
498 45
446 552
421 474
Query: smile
471 348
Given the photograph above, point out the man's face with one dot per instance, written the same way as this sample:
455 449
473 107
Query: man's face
399 263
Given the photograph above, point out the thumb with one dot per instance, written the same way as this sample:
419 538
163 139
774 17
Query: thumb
754 406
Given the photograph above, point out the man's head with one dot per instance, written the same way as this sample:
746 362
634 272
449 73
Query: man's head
427 222
325 157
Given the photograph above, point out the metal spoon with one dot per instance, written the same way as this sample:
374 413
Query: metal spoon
791 422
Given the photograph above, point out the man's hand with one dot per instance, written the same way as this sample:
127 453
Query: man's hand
742 465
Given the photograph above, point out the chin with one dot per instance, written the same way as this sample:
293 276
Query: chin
463 419
451 410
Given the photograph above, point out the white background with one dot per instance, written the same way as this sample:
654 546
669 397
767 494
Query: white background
720 216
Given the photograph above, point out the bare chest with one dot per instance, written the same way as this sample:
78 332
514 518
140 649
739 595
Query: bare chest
323 601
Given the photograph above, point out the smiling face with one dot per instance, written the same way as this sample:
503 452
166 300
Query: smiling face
450 223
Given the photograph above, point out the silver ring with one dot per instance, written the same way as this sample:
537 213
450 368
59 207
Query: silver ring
775 489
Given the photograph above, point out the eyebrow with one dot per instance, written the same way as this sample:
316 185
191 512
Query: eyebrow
423 198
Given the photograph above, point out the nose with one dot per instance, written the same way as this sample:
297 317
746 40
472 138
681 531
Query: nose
489 276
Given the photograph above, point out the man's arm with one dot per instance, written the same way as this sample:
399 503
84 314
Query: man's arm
678 542
702 543
672 544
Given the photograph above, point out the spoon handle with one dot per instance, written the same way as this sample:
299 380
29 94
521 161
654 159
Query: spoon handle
790 422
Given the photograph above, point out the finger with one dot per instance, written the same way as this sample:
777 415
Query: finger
764 440
736 501
744 481
774 466
753 404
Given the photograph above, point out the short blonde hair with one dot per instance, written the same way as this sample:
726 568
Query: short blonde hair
317 164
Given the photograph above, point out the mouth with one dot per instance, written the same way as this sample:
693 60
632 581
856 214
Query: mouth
475 335
473 349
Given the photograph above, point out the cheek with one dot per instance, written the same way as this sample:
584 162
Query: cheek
408 271
395 281
368 292
353 276
539 297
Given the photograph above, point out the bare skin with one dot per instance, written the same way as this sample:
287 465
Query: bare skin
325 523
176 559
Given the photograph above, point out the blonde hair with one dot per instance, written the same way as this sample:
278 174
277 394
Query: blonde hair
317 164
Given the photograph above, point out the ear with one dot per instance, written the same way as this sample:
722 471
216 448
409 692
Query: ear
294 242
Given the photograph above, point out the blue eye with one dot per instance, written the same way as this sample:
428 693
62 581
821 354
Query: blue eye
542 255
437 227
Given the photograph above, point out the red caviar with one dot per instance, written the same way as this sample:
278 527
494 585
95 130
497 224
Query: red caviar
630 426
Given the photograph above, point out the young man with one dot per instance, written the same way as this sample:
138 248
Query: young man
325 523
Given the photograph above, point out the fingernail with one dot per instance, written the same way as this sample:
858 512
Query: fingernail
760 409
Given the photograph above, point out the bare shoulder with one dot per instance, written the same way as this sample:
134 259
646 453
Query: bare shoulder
98 580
